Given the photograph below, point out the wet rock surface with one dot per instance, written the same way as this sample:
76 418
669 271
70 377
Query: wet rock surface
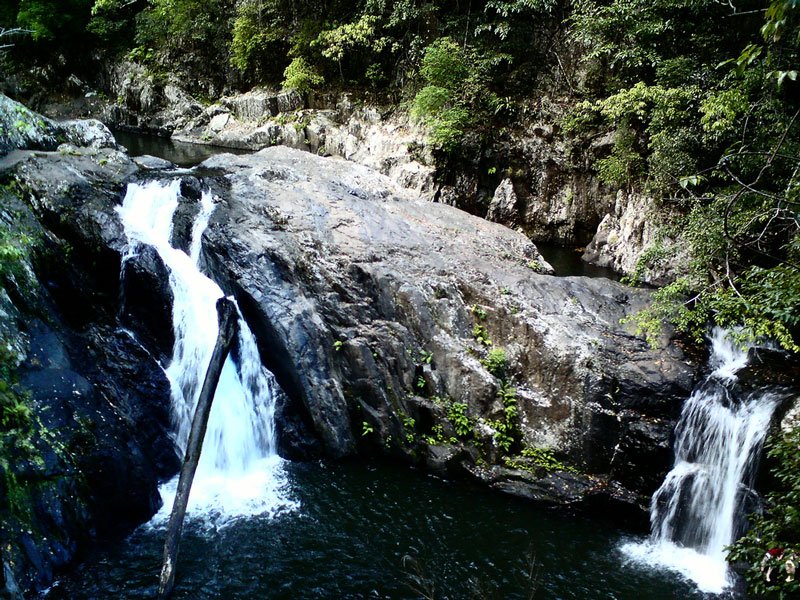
99 442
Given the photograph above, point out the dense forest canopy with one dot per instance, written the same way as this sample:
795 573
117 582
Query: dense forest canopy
701 97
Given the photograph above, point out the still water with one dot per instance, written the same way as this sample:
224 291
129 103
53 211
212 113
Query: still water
567 262
182 154
381 531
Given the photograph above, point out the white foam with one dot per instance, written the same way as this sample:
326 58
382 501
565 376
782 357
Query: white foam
218 498
727 356
708 572
239 472
717 440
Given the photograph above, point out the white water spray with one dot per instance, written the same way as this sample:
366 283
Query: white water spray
694 514
239 471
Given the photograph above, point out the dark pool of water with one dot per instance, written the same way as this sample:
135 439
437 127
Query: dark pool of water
567 261
182 154
382 531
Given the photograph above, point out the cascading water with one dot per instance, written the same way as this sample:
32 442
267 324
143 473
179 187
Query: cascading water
239 471
697 511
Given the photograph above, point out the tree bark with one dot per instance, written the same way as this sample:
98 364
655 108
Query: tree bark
226 313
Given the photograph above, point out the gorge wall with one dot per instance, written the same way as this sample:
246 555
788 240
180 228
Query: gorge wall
90 440
397 327
533 178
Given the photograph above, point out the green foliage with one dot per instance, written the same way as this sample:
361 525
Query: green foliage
716 148
15 414
436 437
339 42
722 110
508 396
545 458
504 437
506 430
535 266
366 429
625 164
455 94
761 303
502 15
777 528
13 250
478 311
656 133
49 19
642 38
457 415
537 460
259 34
301 76
16 431
481 335
444 65
409 426
188 35
496 362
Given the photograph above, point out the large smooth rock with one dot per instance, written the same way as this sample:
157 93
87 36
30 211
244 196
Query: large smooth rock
349 282
21 128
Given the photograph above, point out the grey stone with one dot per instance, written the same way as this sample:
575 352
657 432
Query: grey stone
322 251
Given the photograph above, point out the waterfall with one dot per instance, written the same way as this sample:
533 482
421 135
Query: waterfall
239 471
698 510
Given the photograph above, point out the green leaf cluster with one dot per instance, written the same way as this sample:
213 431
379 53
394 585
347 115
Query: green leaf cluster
459 419
301 76
496 362
778 527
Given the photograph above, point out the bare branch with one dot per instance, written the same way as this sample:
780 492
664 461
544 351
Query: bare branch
12 32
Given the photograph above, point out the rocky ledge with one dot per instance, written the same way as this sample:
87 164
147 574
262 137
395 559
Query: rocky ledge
409 328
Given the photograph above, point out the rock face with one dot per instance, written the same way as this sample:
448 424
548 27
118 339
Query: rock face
87 460
627 233
258 119
22 128
145 102
378 312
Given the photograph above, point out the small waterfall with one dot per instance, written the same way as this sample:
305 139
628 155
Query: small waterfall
239 471
697 511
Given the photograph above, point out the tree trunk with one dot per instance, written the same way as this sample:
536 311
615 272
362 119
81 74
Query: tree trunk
226 313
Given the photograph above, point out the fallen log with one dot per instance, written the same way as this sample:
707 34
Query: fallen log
226 314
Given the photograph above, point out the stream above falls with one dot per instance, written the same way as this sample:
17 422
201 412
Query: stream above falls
182 154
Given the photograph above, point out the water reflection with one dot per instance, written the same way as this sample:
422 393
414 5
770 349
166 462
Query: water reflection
383 531
183 154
